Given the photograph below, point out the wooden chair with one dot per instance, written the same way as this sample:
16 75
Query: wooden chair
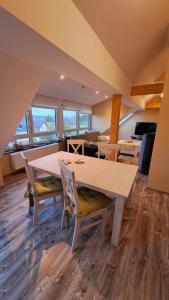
83 204
106 150
42 188
75 145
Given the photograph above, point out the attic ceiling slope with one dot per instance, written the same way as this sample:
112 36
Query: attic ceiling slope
61 23
134 33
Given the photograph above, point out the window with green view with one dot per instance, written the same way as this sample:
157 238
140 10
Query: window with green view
44 119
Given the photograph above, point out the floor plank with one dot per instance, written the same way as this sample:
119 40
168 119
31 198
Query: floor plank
38 263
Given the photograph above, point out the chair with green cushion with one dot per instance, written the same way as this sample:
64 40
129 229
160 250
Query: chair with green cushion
42 188
83 203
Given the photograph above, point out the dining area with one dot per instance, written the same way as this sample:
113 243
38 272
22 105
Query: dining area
89 191
75 226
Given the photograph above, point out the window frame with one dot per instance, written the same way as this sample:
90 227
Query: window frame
27 127
78 128
30 127
73 129
59 125
34 134
89 123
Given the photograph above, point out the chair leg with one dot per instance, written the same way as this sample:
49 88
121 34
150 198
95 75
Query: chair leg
104 223
63 215
35 214
54 199
76 234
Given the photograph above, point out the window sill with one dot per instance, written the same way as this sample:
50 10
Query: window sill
31 147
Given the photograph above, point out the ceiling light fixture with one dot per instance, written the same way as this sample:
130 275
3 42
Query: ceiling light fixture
162 94
97 92
105 96
62 77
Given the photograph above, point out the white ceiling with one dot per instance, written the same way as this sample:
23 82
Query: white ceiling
69 90
134 33
20 41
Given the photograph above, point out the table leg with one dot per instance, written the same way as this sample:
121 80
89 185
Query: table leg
34 173
118 217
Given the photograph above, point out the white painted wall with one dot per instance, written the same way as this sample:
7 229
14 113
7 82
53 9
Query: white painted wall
19 82
159 169
61 23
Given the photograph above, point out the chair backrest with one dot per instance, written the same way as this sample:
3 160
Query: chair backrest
107 149
75 144
29 172
69 186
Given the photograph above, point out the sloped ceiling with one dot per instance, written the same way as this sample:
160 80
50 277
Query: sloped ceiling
134 33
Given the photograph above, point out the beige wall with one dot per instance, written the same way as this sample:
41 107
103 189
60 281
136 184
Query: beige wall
101 117
128 127
159 169
19 82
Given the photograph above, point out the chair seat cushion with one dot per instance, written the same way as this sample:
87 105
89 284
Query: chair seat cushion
89 201
47 185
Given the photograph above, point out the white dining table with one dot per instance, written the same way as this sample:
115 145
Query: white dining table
109 177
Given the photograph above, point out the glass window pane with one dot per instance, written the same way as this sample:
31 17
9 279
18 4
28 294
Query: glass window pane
10 146
22 126
43 119
23 141
82 131
69 119
71 133
84 120
45 138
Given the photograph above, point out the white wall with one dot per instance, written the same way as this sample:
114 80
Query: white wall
101 118
159 169
19 82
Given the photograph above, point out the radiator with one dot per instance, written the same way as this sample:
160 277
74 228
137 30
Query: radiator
17 161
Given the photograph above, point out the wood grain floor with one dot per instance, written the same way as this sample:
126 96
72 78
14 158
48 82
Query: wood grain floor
38 264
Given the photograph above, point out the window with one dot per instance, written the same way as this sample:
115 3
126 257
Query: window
22 126
44 119
72 133
69 119
44 138
84 120
82 131
23 142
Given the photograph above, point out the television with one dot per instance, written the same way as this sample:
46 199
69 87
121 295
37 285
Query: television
145 127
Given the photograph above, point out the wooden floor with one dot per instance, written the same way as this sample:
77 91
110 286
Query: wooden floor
38 264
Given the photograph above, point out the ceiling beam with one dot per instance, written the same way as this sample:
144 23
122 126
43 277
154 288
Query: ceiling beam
153 105
115 118
147 89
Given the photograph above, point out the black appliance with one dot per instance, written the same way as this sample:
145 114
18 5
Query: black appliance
146 152
145 127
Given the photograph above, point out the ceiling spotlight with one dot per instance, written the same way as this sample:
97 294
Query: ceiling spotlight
97 92
105 96
62 77
162 94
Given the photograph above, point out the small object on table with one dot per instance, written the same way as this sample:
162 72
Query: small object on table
79 161
66 161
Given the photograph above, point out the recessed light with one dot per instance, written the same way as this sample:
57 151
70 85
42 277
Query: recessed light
97 92
162 94
62 77
105 96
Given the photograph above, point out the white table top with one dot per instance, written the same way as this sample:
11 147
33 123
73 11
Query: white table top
135 143
102 175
